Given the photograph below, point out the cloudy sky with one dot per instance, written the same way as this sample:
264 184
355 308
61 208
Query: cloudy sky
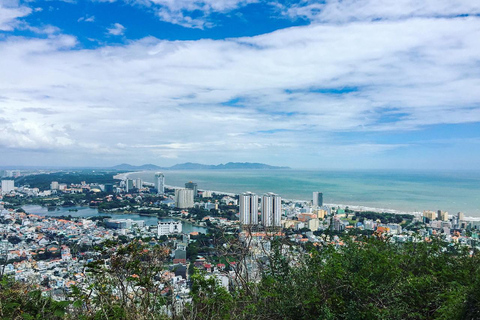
336 84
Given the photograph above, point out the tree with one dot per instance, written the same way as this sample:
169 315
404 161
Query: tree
128 287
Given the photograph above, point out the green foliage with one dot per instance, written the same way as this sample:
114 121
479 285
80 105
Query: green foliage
20 301
371 279
42 181
383 217
123 286
210 300
364 278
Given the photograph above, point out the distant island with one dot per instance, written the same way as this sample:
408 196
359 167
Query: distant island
199 166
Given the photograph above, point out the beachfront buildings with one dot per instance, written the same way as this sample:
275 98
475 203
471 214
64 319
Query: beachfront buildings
271 210
184 198
442 215
431 215
317 199
248 208
193 186
128 185
160 183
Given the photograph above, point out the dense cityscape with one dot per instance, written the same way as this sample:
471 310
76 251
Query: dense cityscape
53 253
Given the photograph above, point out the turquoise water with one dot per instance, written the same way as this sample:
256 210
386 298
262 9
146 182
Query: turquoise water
84 212
399 190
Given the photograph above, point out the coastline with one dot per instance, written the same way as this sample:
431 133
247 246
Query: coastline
356 207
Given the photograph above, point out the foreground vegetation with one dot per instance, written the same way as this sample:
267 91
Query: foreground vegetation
370 278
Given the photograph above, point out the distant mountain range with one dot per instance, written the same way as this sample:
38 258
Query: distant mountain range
199 166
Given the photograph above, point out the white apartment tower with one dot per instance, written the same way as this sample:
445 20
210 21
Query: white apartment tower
271 210
317 199
138 183
184 198
160 183
7 186
248 208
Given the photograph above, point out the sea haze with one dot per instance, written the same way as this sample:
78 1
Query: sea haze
396 190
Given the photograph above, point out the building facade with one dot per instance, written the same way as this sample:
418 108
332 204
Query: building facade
248 208
128 185
160 183
170 227
271 210
317 199
7 186
192 186
442 215
138 183
184 198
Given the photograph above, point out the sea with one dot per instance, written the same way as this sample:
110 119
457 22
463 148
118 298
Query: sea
387 191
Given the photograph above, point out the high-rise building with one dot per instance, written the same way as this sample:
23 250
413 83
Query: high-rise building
317 199
108 187
184 198
442 215
271 210
160 183
430 215
249 208
460 216
138 183
128 185
54 185
7 186
192 186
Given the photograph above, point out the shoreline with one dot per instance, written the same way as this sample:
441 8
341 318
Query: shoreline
356 207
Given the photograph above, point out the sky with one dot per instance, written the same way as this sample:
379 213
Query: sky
333 84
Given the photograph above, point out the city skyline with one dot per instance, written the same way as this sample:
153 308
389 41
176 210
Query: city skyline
306 84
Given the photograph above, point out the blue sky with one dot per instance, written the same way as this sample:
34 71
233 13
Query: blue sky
335 84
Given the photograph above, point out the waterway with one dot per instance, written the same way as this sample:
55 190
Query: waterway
85 212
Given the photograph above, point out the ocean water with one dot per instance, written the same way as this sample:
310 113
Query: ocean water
400 191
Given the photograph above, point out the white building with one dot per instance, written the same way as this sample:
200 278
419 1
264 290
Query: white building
128 185
313 224
317 199
271 210
7 186
170 227
206 194
248 208
138 183
54 185
160 183
184 198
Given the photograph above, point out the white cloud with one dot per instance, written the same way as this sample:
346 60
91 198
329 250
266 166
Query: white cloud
189 13
358 10
31 134
87 18
117 29
283 93
9 15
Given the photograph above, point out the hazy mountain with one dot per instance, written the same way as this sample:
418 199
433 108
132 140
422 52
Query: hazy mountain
199 166
126 166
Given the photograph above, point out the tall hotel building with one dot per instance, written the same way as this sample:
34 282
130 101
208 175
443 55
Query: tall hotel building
184 198
271 210
160 183
317 199
248 209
